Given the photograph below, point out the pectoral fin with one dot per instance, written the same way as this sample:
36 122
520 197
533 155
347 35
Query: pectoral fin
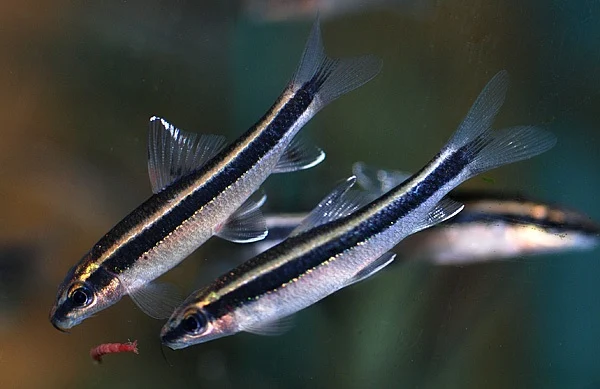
272 328
157 300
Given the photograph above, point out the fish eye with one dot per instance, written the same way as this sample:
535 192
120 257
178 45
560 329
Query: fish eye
80 295
193 323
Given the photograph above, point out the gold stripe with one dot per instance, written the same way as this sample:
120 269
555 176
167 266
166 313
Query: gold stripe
286 96
355 220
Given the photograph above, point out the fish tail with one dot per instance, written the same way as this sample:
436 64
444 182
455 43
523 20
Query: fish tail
486 149
324 78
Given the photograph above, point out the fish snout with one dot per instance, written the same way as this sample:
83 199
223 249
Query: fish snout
169 338
58 326
56 322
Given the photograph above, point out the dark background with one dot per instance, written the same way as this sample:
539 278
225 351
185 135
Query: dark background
78 82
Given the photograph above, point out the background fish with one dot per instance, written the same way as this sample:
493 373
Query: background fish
501 228
490 227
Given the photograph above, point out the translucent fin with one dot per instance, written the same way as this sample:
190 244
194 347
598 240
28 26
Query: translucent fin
331 78
510 145
481 116
299 155
341 202
157 300
247 224
173 153
444 210
378 180
372 268
489 149
272 328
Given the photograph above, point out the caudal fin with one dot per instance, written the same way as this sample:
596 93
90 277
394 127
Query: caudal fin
326 78
486 149
510 145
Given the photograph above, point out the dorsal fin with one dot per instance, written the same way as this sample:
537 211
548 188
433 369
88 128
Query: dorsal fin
341 202
174 153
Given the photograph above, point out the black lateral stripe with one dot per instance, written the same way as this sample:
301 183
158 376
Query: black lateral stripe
514 219
101 279
571 220
126 255
274 279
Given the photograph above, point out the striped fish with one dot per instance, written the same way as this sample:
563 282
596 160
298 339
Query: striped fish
500 227
344 241
491 227
203 189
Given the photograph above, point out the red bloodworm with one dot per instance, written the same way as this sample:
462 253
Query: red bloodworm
109 348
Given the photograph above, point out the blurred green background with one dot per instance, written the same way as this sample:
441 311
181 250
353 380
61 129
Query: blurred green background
79 80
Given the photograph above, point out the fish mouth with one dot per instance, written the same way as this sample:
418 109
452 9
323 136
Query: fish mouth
55 323
169 338
174 345
57 326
